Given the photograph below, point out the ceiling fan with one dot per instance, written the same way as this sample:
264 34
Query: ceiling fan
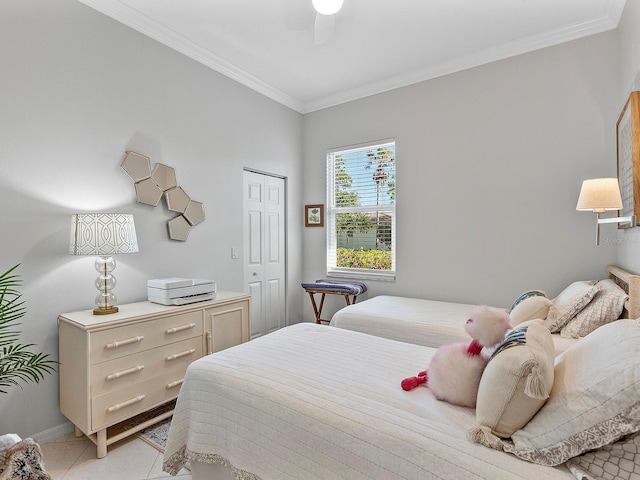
325 20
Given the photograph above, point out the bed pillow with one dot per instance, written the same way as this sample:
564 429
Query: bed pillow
569 303
531 308
595 399
514 385
618 460
606 306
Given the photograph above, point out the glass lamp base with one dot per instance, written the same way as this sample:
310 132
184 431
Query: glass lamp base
105 300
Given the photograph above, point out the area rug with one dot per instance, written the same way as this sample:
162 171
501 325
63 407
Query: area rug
156 435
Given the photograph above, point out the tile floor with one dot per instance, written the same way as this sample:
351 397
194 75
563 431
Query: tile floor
71 458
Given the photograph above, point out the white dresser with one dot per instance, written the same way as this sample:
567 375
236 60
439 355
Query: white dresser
115 367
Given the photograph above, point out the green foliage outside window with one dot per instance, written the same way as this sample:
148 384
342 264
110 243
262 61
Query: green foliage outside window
368 259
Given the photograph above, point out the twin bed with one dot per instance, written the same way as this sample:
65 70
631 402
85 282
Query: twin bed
414 320
317 402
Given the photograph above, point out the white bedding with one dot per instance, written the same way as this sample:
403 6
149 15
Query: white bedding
315 402
413 320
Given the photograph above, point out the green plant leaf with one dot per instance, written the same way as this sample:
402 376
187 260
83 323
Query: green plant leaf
17 363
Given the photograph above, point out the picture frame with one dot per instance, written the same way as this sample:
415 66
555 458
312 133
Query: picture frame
314 215
628 157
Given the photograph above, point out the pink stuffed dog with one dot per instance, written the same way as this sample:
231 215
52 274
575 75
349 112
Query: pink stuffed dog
455 370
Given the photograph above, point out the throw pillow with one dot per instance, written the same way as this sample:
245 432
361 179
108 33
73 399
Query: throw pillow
606 306
23 461
570 301
530 308
514 386
525 295
595 399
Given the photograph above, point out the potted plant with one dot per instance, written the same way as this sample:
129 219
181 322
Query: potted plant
17 363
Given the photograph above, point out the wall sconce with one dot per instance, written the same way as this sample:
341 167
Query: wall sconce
103 234
601 195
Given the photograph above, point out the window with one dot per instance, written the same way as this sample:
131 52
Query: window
361 219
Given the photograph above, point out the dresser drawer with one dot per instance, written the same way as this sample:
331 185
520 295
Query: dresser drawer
124 371
113 407
128 339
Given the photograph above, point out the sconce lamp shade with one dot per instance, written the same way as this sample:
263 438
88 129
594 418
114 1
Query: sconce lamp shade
600 195
102 234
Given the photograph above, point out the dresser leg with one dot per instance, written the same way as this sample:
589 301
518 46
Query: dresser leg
101 436
77 432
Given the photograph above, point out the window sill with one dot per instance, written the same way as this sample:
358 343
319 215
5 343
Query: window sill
363 275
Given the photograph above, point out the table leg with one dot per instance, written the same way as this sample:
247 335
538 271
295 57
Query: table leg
315 308
101 443
319 319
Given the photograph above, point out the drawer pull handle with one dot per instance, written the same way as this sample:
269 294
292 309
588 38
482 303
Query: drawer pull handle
129 371
174 384
118 406
181 354
121 343
180 329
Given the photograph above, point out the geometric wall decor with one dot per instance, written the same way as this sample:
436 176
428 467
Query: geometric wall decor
152 185
148 192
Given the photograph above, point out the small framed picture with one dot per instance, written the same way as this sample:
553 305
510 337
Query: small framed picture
314 215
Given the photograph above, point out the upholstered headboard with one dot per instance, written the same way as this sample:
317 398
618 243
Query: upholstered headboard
630 283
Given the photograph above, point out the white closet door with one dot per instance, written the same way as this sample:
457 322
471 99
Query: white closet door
264 250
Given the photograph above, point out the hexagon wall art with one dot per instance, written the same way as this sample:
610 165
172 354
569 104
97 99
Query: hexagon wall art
152 185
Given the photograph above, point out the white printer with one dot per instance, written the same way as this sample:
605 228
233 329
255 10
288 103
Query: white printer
180 291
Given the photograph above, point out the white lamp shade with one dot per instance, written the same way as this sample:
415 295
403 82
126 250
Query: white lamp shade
600 195
327 7
102 234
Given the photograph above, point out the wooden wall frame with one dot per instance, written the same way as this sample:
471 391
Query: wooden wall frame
628 157
314 215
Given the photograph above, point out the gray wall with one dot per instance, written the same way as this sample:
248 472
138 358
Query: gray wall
489 166
77 89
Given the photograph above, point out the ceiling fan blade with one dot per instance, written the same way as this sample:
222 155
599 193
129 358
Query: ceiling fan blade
323 28
297 15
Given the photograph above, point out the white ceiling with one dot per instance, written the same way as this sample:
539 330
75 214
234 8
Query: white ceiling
377 45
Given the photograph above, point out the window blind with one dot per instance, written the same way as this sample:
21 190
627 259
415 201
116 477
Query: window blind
361 195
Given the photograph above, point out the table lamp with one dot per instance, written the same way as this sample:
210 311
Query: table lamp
103 234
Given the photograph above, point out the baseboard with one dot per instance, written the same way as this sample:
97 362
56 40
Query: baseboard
53 433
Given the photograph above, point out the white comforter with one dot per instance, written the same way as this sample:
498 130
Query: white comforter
414 320
404 319
315 402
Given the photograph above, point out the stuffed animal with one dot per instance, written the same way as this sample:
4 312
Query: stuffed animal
455 370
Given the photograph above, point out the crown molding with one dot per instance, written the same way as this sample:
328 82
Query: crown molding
605 23
143 24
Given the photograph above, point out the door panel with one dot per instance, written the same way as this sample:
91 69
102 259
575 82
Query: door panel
255 238
264 244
